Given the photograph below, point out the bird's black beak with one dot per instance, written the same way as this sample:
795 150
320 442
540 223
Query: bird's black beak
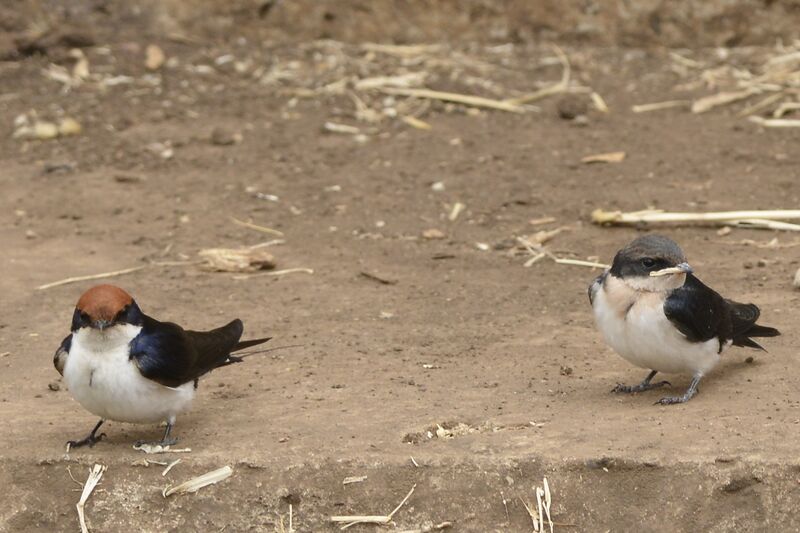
101 324
685 268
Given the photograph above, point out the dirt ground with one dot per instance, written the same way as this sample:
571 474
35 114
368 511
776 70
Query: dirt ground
459 334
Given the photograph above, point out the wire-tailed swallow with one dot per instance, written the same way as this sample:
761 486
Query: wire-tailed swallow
657 315
122 365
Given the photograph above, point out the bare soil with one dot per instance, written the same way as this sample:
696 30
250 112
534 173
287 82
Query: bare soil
504 358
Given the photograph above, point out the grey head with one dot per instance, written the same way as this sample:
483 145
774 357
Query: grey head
650 255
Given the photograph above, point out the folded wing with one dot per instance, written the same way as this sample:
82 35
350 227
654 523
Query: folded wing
168 354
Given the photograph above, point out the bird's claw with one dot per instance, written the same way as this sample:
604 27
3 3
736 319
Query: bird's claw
641 387
672 400
89 441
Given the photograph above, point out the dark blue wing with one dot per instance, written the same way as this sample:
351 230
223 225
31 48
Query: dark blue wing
60 357
168 354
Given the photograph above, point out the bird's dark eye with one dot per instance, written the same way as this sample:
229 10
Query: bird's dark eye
648 262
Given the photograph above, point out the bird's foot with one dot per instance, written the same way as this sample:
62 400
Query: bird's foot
627 389
672 400
688 395
89 441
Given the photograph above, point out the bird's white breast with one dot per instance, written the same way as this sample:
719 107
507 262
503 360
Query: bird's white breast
633 323
101 376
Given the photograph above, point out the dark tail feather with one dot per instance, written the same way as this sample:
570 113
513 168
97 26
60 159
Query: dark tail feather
748 342
755 331
241 345
762 331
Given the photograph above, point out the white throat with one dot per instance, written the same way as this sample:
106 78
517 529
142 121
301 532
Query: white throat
655 284
99 341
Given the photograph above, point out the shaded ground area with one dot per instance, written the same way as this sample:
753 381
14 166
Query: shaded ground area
504 358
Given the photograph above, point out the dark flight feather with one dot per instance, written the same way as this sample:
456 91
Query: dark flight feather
596 284
60 357
166 353
701 314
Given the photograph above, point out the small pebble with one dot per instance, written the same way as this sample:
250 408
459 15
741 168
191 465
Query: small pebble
571 106
223 137
54 386
433 233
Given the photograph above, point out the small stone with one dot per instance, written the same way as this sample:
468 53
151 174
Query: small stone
30 234
222 137
505 244
749 360
69 126
571 106
747 265
796 281
154 57
54 386
566 371
433 233
580 120
437 186
761 263
288 496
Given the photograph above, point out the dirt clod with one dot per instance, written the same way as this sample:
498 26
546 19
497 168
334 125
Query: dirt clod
572 106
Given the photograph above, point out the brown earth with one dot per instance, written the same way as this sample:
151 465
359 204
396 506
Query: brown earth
505 358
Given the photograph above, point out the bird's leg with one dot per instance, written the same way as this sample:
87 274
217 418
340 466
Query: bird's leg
165 440
688 395
89 440
643 386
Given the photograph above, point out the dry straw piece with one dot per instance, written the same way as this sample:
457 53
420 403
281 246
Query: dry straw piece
91 482
414 122
559 87
767 219
169 467
158 448
262 229
610 157
657 106
599 103
708 103
776 122
351 520
776 71
541 513
457 98
78 279
195 484
237 259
